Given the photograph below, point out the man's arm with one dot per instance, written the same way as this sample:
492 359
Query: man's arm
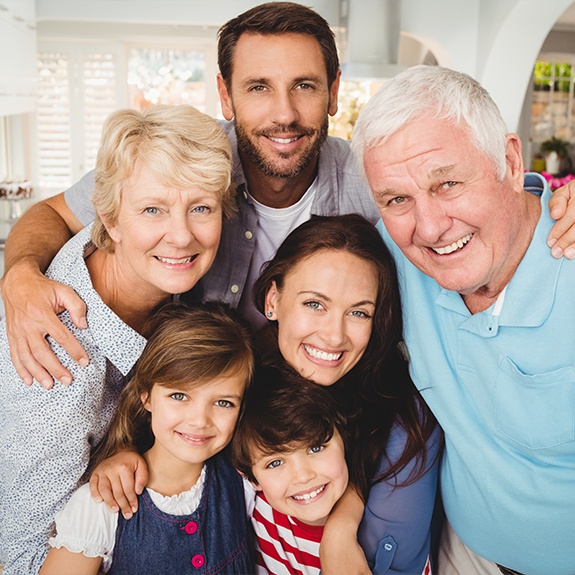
32 301
561 239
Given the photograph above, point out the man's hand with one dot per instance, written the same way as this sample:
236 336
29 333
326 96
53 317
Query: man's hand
31 303
561 239
118 481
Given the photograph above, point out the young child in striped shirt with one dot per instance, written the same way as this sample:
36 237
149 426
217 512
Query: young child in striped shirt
290 446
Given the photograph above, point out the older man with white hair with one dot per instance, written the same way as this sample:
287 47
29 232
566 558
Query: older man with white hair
489 317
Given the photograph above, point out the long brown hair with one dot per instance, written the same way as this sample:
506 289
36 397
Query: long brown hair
378 391
188 346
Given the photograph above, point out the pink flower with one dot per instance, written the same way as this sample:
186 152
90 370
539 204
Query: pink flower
554 182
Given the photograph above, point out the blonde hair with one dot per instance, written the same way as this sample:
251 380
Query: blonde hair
189 346
181 146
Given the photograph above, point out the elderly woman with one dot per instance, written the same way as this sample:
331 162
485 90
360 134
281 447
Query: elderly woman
162 189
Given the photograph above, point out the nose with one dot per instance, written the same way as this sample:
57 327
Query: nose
197 415
431 220
303 471
284 109
333 329
179 230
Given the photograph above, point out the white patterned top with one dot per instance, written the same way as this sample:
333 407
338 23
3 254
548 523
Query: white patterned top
46 435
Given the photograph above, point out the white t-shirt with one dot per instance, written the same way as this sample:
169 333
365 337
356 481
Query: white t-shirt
87 527
274 224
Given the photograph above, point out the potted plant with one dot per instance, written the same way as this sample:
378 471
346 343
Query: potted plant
554 150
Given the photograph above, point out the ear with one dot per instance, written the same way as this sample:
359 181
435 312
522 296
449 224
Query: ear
514 159
271 301
112 230
144 397
225 98
256 486
333 92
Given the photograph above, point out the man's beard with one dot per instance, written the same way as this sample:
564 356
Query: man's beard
269 167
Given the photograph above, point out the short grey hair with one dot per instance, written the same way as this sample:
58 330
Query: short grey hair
432 92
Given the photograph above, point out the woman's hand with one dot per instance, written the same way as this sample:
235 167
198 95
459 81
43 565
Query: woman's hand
118 481
561 239
339 551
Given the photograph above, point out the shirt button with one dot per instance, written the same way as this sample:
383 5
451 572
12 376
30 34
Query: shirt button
249 235
198 561
191 527
388 546
235 289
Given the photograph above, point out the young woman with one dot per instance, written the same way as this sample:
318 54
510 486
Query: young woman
180 410
332 298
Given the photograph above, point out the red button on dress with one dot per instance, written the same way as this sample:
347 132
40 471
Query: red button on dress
191 527
198 561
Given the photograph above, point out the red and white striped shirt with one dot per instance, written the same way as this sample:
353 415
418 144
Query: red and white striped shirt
285 546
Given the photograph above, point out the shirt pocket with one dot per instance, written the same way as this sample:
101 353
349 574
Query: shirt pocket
535 410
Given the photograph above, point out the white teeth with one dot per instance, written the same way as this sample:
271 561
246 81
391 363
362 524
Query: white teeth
318 354
309 495
283 140
174 261
454 246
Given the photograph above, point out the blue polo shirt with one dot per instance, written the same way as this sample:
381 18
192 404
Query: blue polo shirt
503 389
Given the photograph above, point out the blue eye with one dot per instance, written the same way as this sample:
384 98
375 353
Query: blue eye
316 449
360 314
224 403
312 304
201 209
151 210
273 464
178 396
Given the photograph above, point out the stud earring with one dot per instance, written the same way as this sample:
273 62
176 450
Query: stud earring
269 314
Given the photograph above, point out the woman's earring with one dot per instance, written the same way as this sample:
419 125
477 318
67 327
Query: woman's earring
269 314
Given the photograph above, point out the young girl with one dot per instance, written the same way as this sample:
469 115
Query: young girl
180 410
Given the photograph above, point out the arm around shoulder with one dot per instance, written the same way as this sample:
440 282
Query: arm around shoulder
562 236
339 550
32 301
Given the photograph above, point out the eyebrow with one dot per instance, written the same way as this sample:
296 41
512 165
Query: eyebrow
298 80
436 173
323 296
442 170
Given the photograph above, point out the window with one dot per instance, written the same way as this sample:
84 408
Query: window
553 110
78 88
81 83
167 76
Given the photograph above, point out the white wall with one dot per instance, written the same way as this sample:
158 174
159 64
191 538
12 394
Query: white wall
495 41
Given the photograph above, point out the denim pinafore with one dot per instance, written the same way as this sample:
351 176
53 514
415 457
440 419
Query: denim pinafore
216 538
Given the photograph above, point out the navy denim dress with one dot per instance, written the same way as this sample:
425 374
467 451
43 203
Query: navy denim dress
216 538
